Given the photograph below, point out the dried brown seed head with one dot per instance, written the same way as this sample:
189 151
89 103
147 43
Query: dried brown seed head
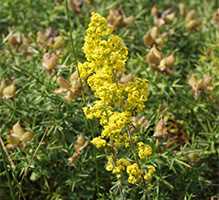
126 78
18 136
75 5
2 86
128 20
154 32
140 122
148 40
170 60
63 83
26 137
50 61
18 130
182 9
170 17
191 15
154 11
154 56
216 17
15 39
59 42
115 18
160 129
74 76
193 25
9 91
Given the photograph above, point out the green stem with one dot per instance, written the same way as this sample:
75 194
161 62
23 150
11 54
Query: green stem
7 174
88 124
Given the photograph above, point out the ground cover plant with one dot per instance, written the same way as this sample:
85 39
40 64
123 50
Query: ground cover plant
103 99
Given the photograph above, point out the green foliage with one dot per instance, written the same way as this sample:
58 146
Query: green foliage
41 169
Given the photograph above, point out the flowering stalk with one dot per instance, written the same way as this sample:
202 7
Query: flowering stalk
117 101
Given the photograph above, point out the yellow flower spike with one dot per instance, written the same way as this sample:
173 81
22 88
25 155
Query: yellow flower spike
118 97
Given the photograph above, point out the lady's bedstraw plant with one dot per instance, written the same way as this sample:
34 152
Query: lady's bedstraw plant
119 97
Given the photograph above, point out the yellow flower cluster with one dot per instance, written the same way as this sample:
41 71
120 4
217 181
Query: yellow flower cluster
98 142
110 163
106 55
120 166
116 101
144 151
148 176
134 173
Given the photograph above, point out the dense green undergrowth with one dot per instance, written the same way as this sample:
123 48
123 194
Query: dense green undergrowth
187 162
